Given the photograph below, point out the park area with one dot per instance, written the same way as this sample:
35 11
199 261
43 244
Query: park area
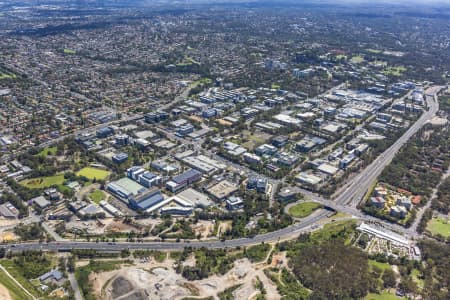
47 151
439 226
357 59
97 196
394 71
383 296
303 209
43 182
93 173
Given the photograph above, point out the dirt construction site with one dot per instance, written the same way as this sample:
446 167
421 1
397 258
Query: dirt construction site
153 280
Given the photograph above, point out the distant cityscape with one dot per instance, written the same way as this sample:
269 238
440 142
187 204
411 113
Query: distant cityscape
236 150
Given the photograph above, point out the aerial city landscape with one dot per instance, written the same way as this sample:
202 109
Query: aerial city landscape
224 150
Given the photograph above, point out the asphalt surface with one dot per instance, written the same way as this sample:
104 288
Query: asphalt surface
307 224
348 198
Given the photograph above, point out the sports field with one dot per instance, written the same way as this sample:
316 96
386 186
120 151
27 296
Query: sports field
93 173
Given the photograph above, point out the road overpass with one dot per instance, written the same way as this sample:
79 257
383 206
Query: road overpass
346 200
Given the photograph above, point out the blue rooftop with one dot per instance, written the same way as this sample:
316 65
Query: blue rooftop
148 175
186 175
55 274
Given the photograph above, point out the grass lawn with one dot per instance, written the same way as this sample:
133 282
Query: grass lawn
47 151
187 61
275 86
97 196
43 182
258 253
93 173
14 290
439 226
69 51
415 274
16 273
357 59
375 51
382 266
341 56
303 209
378 63
394 71
7 76
333 228
200 81
383 296
252 140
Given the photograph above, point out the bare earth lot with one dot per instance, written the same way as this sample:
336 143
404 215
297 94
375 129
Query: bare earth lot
153 280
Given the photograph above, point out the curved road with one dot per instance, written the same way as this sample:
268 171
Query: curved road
349 196
305 225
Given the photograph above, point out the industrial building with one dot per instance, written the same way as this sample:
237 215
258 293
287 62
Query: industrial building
183 180
146 199
223 189
124 188
173 205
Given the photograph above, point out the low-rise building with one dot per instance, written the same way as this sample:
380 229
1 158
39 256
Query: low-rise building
308 179
53 276
398 211
110 209
145 200
183 180
124 188
266 149
148 179
378 202
280 141
223 189
288 193
327 169
251 158
7 210
120 157
404 201
104 132
346 161
41 202
259 184
234 203
91 211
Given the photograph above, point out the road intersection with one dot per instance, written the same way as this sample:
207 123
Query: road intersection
347 199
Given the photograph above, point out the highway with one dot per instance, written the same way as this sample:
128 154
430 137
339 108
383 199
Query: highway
347 199
306 225
355 191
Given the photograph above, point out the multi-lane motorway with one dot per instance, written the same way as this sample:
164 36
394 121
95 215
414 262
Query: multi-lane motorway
353 193
346 200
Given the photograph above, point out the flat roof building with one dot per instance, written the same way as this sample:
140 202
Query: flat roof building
308 179
183 180
41 202
198 199
145 200
223 189
124 188
234 203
